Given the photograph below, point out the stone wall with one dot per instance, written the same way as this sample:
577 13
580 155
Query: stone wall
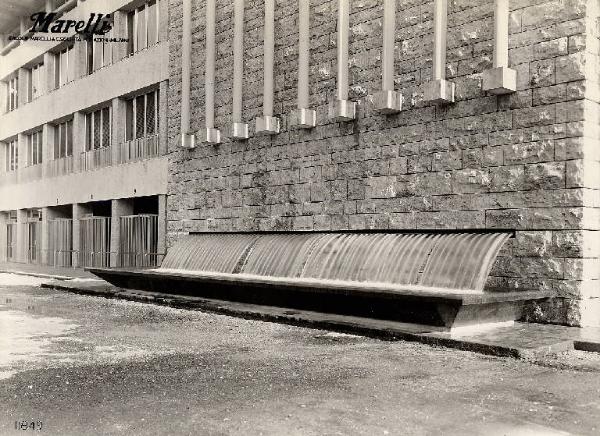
526 161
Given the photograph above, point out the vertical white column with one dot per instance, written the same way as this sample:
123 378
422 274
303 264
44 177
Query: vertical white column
439 90
3 236
269 54
303 52
119 207
342 48
187 139
268 124
440 19
209 134
389 28
500 79
22 239
162 227
79 138
47 149
342 109
304 117
239 128
118 126
387 101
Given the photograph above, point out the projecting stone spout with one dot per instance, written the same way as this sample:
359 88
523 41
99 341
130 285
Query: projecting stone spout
442 262
432 279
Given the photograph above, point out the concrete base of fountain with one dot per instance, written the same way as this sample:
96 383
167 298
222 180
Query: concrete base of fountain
441 309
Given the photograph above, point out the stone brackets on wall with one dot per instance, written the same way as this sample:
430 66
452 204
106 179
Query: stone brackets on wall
268 124
388 101
210 135
239 129
342 109
439 90
500 79
303 117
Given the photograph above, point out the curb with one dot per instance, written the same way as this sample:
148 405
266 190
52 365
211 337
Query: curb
362 327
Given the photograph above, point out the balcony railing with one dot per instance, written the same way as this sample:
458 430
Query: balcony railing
129 151
29 173
138 149
98 158
60 167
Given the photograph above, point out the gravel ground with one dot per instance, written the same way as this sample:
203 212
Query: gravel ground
87 365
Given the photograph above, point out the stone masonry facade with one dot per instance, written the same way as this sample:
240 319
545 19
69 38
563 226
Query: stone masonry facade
527 161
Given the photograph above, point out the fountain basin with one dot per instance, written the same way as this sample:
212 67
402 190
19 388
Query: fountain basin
433 280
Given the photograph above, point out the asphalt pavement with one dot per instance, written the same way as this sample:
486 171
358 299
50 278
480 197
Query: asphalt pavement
82 365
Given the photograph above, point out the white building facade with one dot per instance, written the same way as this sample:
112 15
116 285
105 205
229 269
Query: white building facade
83 171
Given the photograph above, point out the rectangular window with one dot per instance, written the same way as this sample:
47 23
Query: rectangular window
63 140
99 54
142 116
98 129
142 26
12 101
34 148
12 155
64 67
35 81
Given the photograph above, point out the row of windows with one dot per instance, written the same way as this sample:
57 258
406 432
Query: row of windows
12 155
34 148
142 117
142 32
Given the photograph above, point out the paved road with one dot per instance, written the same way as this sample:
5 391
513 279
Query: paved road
85 365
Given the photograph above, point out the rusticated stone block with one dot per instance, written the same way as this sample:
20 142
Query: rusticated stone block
527 161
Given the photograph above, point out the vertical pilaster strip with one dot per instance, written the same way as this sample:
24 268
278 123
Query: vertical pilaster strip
239 128
500 79
78 212
341 109
187 140
342 48
21 243
118 127
303 52
238 59
439 90
119 208
3 163
163 20
387 58
209 73
79 138
440 19
268 124
23 86
49 70
3 234
23 153
163 113
303 117
388 101
47 148
269 54
210 135
501 33
161 246
45 257
119 51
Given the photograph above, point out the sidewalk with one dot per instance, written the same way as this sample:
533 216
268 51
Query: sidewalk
45 271
521 340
